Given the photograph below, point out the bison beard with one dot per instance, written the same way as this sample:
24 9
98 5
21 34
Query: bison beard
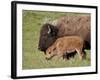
66 26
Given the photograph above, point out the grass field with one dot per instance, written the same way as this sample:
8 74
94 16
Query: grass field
32 57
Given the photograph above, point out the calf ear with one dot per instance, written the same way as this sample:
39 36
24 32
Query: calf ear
54 49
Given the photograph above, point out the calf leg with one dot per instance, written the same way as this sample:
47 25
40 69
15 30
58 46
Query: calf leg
59 55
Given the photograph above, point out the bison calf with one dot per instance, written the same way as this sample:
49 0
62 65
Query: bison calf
65 45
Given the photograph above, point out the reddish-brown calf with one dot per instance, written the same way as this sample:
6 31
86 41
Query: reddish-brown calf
66 45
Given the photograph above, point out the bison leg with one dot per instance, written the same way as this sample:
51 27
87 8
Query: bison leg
84 54
65 56
80 53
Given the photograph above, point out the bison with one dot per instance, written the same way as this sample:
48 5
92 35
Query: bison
65 45
65 26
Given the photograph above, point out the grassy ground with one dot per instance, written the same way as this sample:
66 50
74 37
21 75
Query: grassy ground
32 57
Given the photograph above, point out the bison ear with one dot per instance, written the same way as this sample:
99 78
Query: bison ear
49 29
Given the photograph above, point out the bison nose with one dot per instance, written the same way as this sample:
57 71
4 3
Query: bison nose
39 48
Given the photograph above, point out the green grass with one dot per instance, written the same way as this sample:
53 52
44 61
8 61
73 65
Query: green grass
32 57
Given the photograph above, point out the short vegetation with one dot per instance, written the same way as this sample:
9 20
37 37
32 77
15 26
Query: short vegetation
32 58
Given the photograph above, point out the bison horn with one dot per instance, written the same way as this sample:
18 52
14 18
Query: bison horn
49 29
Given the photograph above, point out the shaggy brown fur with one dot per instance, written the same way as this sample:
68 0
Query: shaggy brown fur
79 25
66 45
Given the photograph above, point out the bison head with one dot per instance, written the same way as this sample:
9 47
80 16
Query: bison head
48 35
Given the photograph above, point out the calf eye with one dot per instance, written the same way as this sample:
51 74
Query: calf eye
49 52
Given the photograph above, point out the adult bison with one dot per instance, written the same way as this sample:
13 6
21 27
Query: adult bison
65 26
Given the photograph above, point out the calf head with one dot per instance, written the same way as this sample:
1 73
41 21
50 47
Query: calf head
50 53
